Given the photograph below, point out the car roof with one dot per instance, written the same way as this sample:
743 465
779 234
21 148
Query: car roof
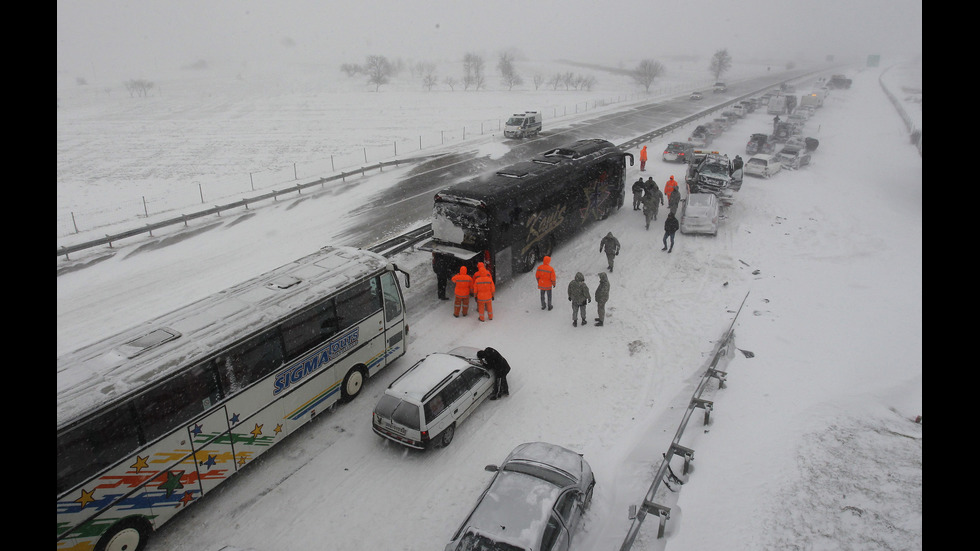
700 199
426 375
763 156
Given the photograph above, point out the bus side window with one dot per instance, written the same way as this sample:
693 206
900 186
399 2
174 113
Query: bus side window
89 447
357 303
175 401
309 329
249 362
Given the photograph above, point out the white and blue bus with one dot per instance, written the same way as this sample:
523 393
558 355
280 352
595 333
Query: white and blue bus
155 417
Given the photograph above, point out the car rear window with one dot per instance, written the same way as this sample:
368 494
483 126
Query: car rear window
398 410
757 162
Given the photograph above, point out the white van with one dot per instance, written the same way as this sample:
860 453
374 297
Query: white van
422 407
523 125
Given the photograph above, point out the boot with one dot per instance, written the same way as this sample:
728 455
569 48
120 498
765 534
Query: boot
664 249
549 307
598 324
574 323
670 250
584 323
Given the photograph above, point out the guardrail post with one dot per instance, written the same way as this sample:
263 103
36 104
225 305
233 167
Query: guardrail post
688 454
107 236
707 405
661 511
718 374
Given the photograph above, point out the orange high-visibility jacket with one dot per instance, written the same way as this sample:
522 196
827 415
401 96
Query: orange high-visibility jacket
546 274
463 282
484 288
643 153
670 187
481 269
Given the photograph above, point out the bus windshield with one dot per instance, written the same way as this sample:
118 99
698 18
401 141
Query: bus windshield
460 224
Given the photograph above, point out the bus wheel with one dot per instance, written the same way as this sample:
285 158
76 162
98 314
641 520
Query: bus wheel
127 535
447 435
352 384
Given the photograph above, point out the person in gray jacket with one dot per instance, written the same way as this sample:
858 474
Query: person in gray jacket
601 296
611 245
674 201
578 294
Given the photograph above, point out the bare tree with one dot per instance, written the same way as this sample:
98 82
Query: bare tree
351 69
538 80
429 80
473 72
721 62
508 73
379 70
568 79
646 72
138 87
450 82
554 81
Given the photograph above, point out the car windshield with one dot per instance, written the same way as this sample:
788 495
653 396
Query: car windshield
540 471
714 169
759 162
515 121
675 148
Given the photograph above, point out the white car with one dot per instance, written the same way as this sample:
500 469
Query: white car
763 165
700 214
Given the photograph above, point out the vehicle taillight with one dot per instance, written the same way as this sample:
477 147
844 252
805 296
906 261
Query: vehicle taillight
425 436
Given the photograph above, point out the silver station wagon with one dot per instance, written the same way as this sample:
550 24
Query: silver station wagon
423 406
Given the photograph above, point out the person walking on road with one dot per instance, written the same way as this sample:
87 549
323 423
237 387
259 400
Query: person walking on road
648 206
671 225
658 196
670 187
464 288
643 159
601 297
545 274
484 289
578 294
611 245
499 366
674 201
637 193
442 268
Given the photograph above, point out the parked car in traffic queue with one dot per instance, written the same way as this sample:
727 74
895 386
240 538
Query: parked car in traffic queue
535 501
679 152
700 214
762 164
423 406
760 143
793 156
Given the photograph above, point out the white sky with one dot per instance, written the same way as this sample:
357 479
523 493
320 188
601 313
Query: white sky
138 39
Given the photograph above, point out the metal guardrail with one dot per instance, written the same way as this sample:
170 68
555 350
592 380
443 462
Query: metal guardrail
915 134
218 209
723 350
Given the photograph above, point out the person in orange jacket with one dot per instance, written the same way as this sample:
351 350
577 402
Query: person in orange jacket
643 159
464 288
481 269
546 277
670 187
484 289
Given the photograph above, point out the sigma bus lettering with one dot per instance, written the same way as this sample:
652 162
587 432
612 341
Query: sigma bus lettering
322 357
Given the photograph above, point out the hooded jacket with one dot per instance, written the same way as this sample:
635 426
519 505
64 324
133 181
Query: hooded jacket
671 225
484 288
670 187
602 291
463 283
610 244
481 269
578 291
545 274
643 153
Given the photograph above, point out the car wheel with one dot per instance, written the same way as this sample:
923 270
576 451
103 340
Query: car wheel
447 436
127 535
352 384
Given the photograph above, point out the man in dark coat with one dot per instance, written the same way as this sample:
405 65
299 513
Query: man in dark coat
444 270
671 225
499 366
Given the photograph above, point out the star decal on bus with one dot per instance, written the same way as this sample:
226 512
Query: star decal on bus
172 483
196 430
188 498
85 498
211 462
278 429
234 419
257 431
141 463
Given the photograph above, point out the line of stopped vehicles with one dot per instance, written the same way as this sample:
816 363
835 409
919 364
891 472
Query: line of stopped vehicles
712 178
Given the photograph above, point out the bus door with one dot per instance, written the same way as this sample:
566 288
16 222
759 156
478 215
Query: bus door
395 328
214 456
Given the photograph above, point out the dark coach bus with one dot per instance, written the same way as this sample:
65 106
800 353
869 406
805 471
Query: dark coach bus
513 218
